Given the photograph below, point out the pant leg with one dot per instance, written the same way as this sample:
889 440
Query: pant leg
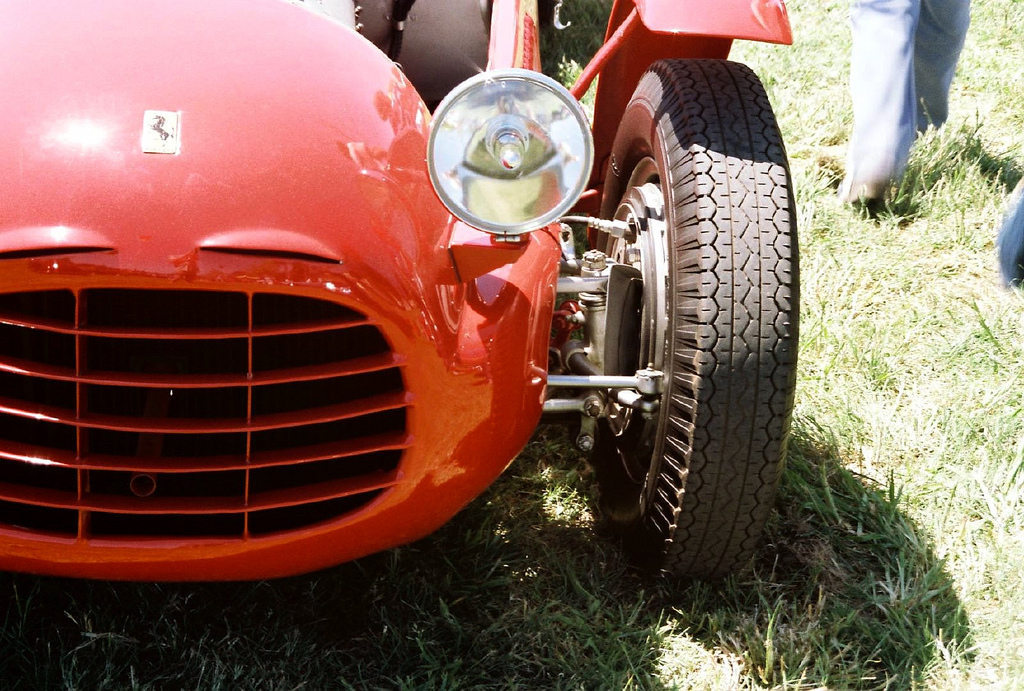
1011 240
884 95
941 31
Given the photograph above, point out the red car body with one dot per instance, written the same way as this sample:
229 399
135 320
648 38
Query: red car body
275 350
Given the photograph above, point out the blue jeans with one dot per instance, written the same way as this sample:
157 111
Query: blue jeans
904 56
1011 240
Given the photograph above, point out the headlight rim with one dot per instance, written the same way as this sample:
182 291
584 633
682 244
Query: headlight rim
574 192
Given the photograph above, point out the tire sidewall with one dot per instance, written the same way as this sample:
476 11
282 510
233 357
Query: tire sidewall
639 136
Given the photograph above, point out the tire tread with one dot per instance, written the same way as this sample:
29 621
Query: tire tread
733 315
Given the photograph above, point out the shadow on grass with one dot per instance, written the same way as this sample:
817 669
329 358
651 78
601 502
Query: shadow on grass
948 157
514 592
847 591
518 591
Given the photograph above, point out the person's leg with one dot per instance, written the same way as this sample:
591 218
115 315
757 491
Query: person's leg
1011 239
884 97
941 31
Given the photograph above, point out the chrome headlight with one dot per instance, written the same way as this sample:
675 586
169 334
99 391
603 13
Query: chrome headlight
509 151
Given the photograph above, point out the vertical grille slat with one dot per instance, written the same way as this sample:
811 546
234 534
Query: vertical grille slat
81 434
263 412
248 417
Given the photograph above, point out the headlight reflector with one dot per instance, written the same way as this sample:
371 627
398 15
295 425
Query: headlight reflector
509 151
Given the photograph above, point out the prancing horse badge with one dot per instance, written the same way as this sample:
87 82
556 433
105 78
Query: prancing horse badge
161 132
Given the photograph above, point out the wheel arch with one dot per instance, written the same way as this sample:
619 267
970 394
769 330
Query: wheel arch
757 20
673 29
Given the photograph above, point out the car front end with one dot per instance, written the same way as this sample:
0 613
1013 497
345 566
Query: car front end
236 340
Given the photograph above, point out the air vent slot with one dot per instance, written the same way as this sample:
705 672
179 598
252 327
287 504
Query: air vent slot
51 252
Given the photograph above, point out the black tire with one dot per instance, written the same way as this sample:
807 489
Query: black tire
691 486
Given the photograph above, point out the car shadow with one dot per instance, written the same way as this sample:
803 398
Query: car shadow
518 590
846 591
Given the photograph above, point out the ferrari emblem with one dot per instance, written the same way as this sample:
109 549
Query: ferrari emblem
161 132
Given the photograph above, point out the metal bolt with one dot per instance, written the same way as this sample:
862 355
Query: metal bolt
632 255
595 260
585 443
649 381
593 407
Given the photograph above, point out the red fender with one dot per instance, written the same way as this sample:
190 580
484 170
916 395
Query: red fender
755 20
641 32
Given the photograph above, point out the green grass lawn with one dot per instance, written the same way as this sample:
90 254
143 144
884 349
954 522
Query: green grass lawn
894 559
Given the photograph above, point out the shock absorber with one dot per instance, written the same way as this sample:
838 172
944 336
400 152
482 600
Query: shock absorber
594 306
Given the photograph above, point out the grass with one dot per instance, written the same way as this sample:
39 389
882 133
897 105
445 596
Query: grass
894 559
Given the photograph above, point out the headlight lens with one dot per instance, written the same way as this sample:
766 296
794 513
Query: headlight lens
510 151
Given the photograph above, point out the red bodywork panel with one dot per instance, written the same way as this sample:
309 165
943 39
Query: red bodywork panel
754 20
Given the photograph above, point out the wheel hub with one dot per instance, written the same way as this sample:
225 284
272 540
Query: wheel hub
646 249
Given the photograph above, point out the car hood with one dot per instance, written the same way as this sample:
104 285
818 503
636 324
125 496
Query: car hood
294 135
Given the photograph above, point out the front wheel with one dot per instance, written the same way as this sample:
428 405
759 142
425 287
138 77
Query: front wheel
699 171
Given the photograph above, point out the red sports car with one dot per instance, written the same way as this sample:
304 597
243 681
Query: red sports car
285 282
